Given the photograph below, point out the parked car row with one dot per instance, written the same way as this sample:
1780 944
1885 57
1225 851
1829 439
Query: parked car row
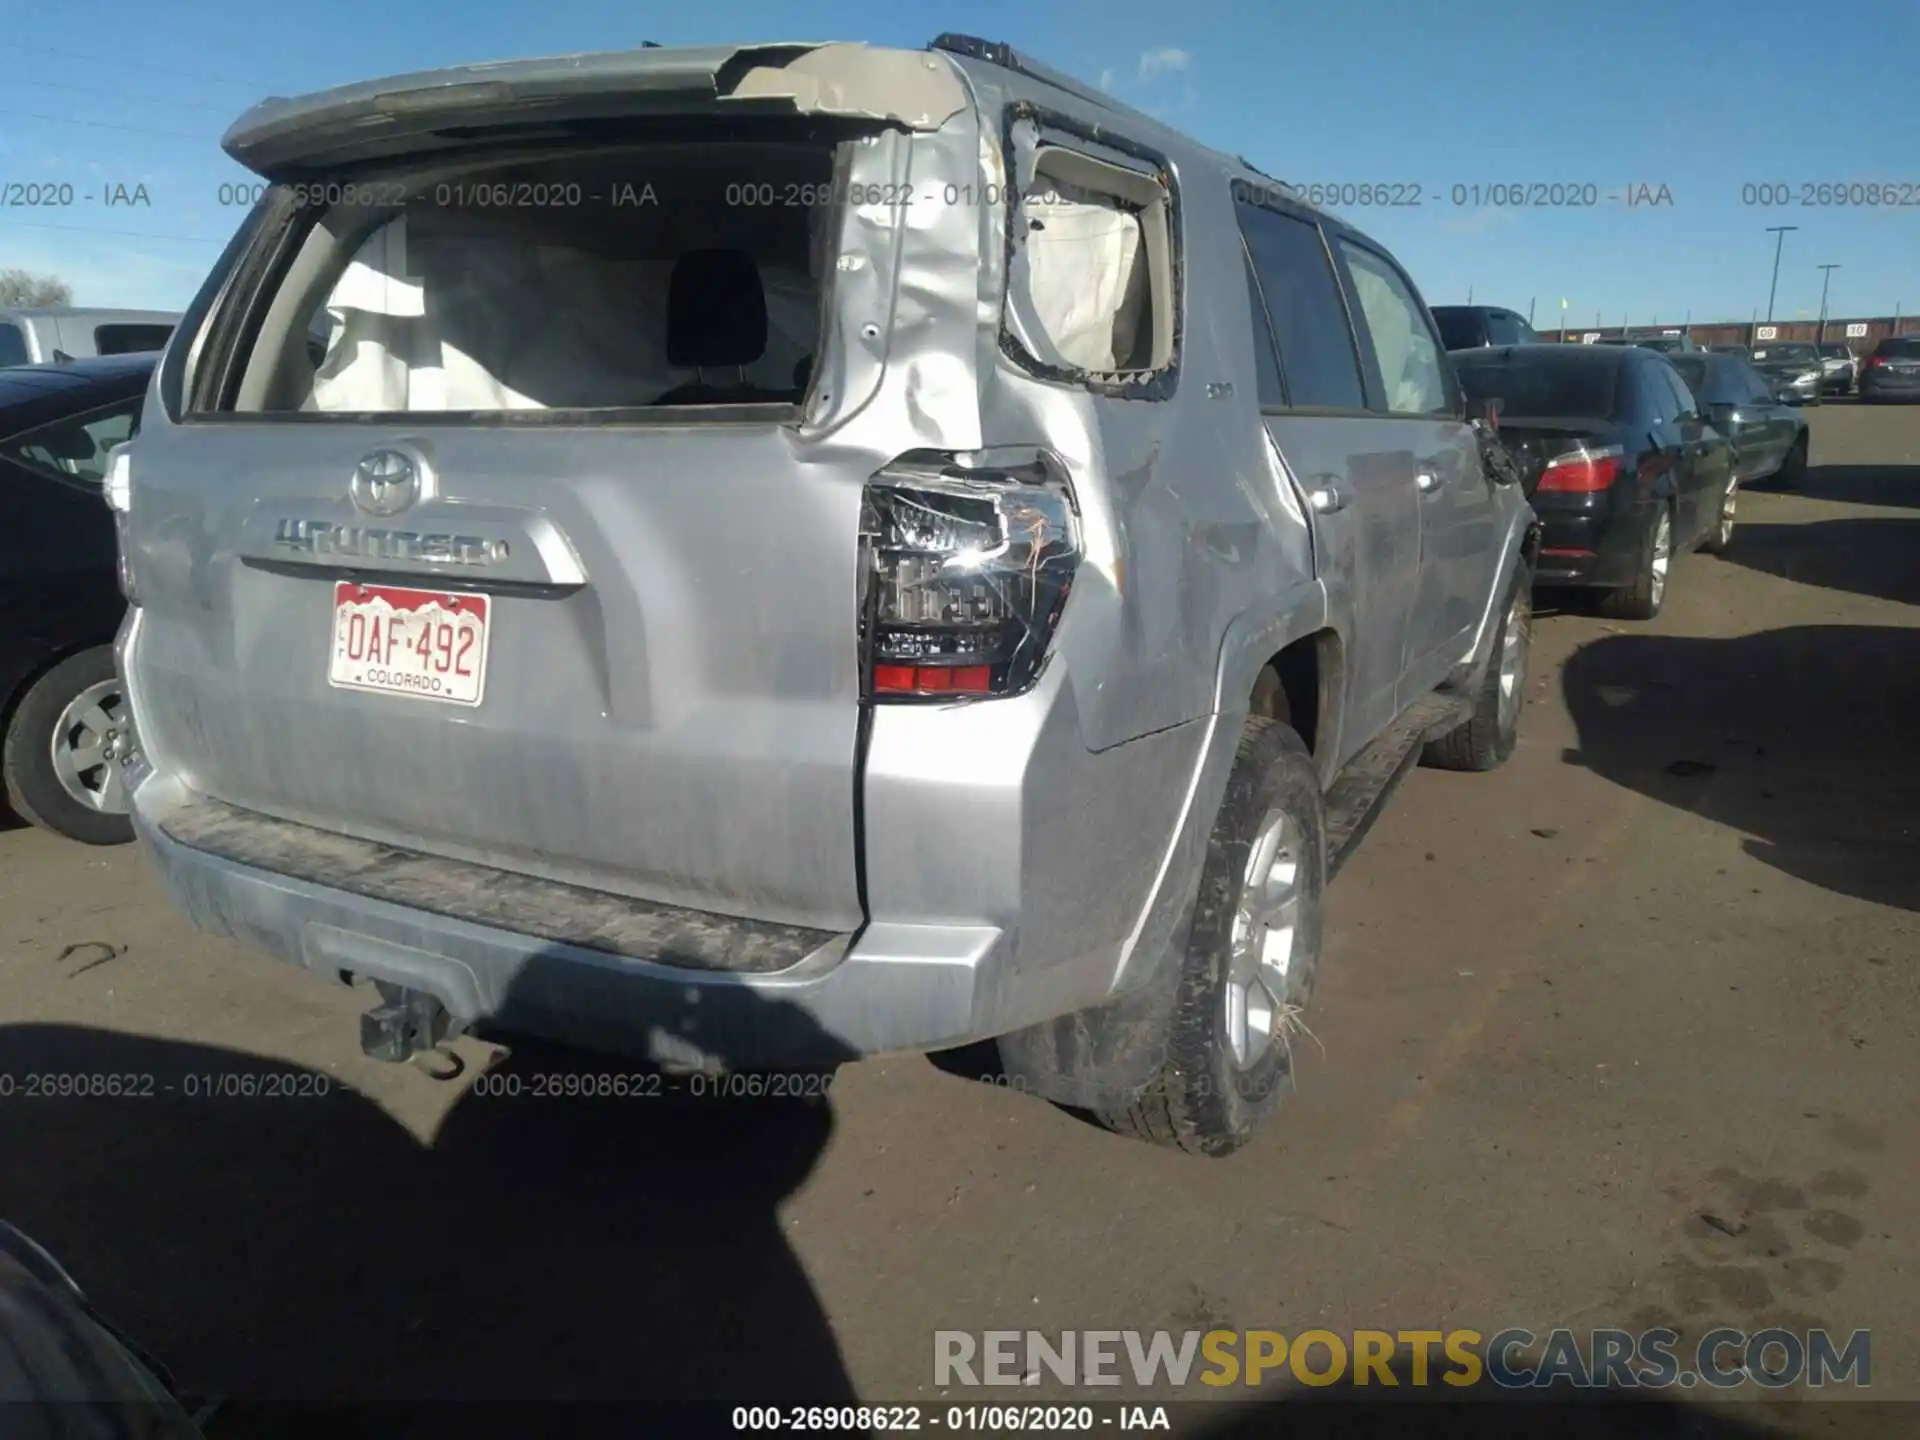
1630 457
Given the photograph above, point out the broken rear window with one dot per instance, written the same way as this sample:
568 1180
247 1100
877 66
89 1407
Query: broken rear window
667 275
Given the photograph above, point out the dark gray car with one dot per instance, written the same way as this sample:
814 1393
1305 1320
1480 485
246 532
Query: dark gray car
1769 437
1892 371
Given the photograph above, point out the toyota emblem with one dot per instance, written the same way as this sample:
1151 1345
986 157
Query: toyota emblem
386 482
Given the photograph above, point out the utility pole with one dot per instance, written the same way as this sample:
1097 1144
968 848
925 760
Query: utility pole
1780 234
1827 275
1530 312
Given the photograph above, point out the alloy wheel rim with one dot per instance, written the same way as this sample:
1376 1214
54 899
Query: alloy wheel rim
93 740
1264 941
1515 641
1662 555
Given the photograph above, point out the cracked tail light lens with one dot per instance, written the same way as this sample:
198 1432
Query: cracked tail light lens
965 566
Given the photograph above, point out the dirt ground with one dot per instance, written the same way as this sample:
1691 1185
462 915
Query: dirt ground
1620 1035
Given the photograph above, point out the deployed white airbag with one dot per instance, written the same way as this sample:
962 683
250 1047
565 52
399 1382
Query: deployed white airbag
1080 278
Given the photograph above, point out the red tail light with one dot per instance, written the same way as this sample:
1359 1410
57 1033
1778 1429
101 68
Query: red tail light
1876 360
1581 472
964 569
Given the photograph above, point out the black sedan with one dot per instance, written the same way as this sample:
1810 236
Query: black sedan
1769 436
1892 371
65 731
1622 468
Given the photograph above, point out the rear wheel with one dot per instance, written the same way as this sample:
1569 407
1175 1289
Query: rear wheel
1251 957
66 748
1721 536
1793 470
1488 736
1642 599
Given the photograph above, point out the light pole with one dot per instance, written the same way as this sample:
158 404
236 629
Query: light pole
1781 232
1824 279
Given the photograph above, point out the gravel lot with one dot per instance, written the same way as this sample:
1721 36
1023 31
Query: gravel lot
1622 1034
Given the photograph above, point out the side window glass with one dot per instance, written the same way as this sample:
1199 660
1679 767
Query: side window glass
1303 302
75 448
1655 398
1265 366
1403 347
13 345
1684 405
1500 329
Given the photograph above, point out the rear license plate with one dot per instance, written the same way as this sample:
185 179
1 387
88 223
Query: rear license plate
426 644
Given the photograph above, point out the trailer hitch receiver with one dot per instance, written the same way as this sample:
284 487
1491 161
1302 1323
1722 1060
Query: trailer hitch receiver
405 1023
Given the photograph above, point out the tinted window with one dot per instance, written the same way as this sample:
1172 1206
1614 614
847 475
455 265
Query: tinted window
1578 385
129 339
1835 352
13 345
1752 384
1459 329
1905 348
75 448
1503 329
1404 350
1266 368
1693 370
1303 302
1680 399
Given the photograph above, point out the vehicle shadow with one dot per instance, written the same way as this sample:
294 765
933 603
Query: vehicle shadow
1877 556
278 1239
1800 738
1891 485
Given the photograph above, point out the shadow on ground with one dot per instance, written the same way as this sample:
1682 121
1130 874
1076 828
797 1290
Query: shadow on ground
1877 556
1801 738
279 1240
1891 485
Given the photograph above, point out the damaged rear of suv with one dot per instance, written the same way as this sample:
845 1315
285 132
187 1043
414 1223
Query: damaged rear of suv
753 556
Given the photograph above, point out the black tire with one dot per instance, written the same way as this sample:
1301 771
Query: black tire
1792 473
1486 738
1720 537
1645 597
26 756
1201 1099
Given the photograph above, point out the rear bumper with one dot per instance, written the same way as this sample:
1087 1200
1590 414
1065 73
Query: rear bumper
901 987
999 899
1888 390
1580 548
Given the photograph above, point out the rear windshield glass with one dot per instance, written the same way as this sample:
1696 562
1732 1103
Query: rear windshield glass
1907 347
1791 351
1459 329
1835 352
1693 370
1542 384
686 274
129 339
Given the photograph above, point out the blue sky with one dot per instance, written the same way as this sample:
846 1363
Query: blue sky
1700 98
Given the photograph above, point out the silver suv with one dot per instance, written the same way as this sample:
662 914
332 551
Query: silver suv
752 556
